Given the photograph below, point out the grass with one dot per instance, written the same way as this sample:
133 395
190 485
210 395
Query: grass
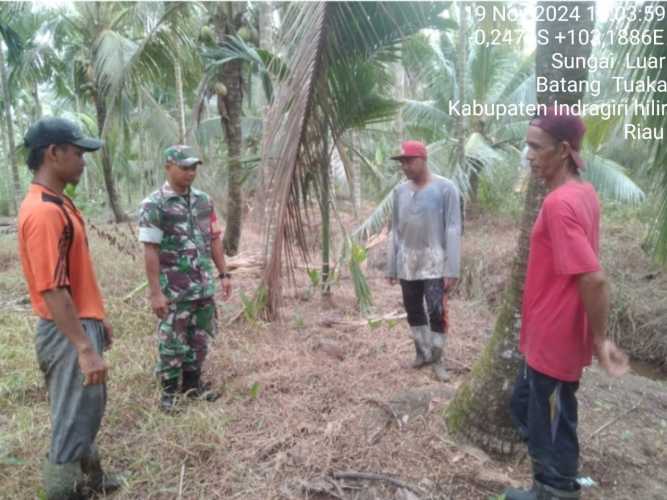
291 411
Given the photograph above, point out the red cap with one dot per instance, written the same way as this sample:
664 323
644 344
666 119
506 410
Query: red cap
562 125
411 149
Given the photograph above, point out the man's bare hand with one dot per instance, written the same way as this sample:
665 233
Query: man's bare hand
450 283
108 334
92 366
611 358
160 305
226 288
392 281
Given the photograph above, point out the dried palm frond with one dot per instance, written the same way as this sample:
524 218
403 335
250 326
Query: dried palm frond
287 122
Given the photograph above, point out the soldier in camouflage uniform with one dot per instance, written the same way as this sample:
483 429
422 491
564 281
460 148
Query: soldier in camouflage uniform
182 243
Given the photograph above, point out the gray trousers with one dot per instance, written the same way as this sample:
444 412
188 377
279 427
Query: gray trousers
76 410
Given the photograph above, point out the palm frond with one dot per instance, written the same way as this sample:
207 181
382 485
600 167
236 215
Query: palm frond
268 65
425 114
610 180
286 126
599 130
378 219
655 167
158 123
480 150
113 54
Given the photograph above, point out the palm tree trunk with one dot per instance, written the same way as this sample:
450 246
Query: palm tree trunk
180 102
7 195
325 210
355 164
230 114
37 110
9 122
265 25
229 107
266 43
462 63
480 408
86 171
107 168
140 139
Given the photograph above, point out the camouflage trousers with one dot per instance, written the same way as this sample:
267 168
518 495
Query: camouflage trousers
183 337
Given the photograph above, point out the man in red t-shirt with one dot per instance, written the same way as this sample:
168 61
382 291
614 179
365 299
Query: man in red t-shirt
565 308
72 331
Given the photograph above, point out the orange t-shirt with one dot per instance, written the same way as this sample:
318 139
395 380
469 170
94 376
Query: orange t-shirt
54 252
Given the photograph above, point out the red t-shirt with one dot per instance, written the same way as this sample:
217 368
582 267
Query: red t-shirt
563 244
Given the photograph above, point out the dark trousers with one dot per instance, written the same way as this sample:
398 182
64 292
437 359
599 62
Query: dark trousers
414 293
544 411
76 410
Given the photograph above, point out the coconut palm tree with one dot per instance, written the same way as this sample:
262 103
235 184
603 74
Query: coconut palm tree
646 21
480 408
8 13
116 48
304 122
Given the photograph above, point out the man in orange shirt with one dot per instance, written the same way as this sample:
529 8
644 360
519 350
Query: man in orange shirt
72 331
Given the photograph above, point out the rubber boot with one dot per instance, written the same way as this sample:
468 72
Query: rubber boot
62 481
439 370
546 492
168 397
96 480
541 491
193 387
420 335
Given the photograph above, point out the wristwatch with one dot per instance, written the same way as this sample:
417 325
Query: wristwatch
223 276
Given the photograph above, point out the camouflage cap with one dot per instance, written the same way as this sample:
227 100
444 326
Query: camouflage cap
181 155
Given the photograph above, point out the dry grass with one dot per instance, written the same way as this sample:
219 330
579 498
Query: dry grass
639 293
301 400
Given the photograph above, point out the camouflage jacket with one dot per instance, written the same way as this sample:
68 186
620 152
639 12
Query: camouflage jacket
183 226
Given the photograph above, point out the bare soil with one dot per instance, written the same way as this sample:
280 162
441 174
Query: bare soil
316 400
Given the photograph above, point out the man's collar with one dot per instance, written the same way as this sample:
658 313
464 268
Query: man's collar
170 193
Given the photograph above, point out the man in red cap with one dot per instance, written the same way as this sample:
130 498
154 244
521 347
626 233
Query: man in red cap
425 252
565 308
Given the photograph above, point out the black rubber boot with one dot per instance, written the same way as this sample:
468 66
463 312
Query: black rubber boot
193 387
546 492
95 479
168 397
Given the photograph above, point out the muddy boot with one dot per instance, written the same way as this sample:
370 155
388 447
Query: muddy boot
168 397
546 492
439 370
62 481
421 337
96 480
194 388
